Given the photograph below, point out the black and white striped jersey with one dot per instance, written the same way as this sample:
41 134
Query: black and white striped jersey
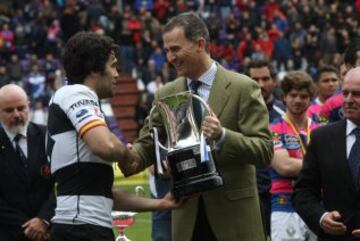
83 179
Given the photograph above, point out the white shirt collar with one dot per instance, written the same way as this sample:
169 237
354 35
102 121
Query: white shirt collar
12 135
208 76
350 126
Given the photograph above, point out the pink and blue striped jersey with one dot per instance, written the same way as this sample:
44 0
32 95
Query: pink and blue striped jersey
281 186
314 109
331 110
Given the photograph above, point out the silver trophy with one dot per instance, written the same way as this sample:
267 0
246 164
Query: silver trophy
185 154
122 220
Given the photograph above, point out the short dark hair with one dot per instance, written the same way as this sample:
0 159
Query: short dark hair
324 69
84 53
350 54
255 64
194 27
297 80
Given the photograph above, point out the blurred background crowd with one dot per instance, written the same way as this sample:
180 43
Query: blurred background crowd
291 34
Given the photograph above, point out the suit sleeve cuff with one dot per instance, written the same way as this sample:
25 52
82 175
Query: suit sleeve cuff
322 218
220 142
47 223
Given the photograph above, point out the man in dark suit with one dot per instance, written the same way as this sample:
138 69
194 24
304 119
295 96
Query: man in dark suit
26 198
326 193
239 127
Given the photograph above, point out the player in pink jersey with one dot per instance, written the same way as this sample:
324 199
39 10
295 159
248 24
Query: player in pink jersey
331 111
326 83
291 134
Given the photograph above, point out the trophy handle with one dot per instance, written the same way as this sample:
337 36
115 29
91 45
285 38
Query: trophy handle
206 106
139 191
208 110
188 93
159 153
151 128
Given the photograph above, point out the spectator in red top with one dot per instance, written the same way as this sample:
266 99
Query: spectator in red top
266 45
245 47
270 8
273 32
160 9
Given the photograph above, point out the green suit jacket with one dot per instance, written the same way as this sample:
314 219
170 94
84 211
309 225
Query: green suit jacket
233 210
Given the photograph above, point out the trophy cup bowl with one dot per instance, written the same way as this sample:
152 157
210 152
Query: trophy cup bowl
121 220
185 154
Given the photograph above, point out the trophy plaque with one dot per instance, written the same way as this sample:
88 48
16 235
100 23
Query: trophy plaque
185 154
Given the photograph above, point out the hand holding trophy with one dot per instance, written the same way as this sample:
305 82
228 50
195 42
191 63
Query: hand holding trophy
185 154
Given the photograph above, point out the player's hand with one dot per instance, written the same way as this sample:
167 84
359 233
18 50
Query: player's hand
169 202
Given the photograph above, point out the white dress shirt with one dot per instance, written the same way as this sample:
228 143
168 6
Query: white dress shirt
22 141
207 80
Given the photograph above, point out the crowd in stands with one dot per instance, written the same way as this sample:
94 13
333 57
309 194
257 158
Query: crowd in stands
292 34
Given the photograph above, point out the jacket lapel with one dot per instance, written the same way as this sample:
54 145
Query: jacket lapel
11 161
179 85
339 133
219 95
34 139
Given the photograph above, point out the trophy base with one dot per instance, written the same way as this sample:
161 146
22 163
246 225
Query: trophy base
190 187
190 174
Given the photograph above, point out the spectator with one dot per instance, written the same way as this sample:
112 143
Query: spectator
156 84
331 110
4 77
27 201
326 83
265 76
159 58
14 70
161 220
36 83
282 52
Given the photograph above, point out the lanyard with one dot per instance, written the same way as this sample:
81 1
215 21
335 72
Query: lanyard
297 134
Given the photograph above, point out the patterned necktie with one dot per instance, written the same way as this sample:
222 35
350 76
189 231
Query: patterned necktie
354 158
19 151
194 86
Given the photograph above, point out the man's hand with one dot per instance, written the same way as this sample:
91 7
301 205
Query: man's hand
35 229
211 127
331 225
356 233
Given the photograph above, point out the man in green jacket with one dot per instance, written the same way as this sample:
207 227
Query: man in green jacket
239 128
